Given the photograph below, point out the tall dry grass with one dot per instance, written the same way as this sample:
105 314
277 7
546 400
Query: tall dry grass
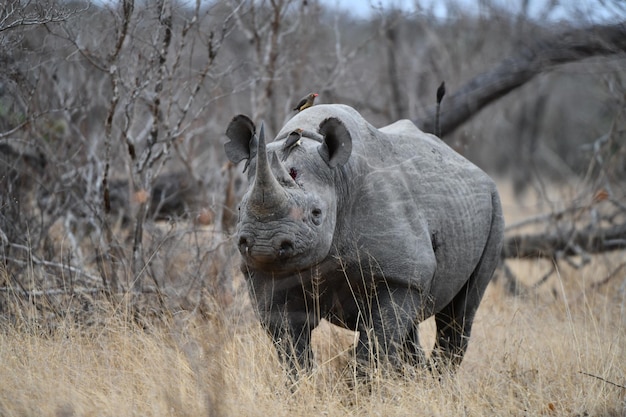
558 350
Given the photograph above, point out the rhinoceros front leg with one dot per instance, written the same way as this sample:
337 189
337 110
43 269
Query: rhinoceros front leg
387 320
291 334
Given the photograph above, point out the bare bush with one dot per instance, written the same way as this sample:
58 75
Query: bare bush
110 100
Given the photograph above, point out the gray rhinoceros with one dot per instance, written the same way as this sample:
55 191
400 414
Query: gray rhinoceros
371 229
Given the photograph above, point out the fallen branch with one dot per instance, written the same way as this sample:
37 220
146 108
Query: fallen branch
554 245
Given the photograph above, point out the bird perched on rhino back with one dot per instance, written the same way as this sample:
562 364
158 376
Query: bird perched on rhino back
306 102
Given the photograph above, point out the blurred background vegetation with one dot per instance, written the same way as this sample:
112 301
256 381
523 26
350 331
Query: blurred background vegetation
113 178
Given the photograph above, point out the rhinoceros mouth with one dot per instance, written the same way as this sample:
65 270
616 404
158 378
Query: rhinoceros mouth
271 263
283 259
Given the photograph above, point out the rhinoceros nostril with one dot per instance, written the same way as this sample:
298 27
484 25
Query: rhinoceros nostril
285 249
244 244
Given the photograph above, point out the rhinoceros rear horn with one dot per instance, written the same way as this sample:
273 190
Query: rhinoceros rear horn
267 195
241 132
337 145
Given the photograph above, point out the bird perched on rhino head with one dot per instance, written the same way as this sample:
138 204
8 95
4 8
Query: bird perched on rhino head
291 142
306 102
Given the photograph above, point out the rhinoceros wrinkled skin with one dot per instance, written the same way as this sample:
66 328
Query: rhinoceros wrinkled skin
372 229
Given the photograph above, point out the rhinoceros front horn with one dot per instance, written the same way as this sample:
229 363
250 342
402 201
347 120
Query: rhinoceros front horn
267 195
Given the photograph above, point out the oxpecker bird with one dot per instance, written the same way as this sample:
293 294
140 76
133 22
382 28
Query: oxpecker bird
291 142
306 102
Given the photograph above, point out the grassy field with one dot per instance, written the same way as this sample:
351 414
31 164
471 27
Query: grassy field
559 350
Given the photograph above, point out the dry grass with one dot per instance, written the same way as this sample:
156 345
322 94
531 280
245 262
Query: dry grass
528 356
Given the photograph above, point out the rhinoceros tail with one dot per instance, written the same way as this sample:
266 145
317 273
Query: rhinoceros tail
441 91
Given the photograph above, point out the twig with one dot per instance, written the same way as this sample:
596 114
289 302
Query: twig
30 120
546 217
544 278
603 380
54 291
21 17
513 285
609 276
61 291
35 260
15 129
596 285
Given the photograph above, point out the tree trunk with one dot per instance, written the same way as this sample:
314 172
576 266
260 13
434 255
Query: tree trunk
517 70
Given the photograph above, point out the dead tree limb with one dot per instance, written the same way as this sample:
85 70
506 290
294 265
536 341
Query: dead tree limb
574 242
541 56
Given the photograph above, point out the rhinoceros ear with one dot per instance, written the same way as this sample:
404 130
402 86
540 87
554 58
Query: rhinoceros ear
337 145
243 143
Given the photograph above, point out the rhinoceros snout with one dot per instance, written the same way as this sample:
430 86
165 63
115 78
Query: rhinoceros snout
265 251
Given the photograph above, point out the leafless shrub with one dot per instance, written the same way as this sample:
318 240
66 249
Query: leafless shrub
111 97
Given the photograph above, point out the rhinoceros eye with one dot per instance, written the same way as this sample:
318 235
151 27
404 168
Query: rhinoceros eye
316 215
293 173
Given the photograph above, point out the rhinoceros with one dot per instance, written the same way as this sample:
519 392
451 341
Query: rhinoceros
371 229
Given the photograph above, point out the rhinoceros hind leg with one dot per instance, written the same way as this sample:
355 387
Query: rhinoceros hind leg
454 324
454 321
